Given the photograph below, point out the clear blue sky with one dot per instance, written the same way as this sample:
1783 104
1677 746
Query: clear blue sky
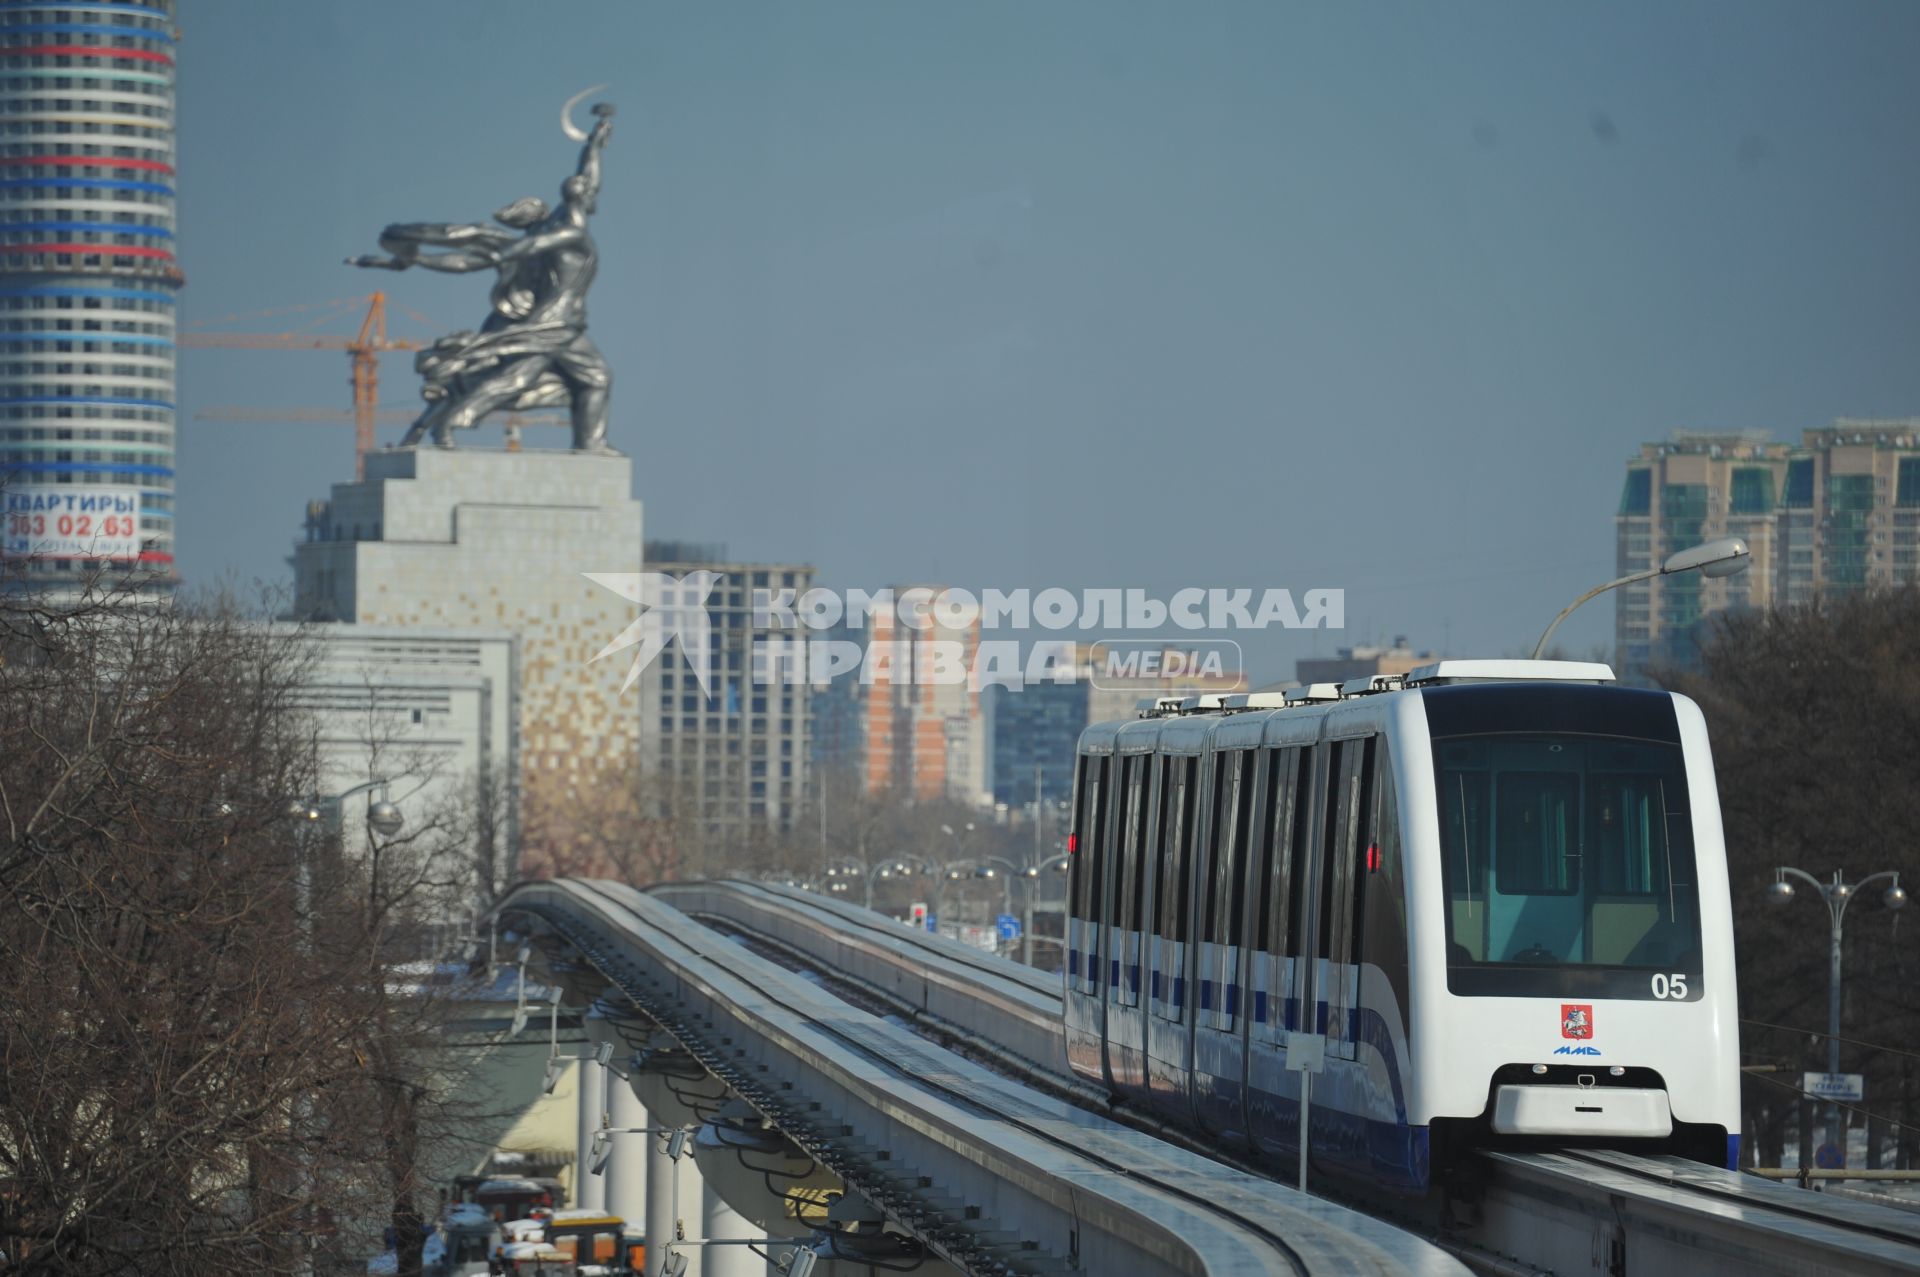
1089 292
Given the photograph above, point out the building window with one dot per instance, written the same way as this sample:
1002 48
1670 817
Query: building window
1637 497
1908 491
1799 484
1752 490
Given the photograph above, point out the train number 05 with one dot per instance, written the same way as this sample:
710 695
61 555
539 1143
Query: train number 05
1672 987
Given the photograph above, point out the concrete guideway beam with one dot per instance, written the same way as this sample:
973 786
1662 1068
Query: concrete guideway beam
1555 1211
952 984
991 1176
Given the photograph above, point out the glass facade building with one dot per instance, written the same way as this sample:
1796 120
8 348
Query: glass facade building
87 284
1837 513
735 750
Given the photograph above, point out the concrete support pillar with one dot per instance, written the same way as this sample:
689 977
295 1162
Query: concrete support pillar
718 1220
659 1205
662 1174
625 1181
589 1079
668 1082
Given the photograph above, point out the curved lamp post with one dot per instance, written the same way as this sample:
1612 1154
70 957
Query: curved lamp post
383 818
1725 556
1836 895
840 876
901 866
1032 873
1030 884
984 868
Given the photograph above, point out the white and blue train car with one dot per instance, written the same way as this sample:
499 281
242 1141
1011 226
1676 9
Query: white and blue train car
1493 894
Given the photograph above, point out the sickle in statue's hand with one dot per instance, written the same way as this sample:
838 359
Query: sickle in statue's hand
567 125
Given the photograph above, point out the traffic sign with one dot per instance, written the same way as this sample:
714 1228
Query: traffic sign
1008 925
1851 1087
1828 1157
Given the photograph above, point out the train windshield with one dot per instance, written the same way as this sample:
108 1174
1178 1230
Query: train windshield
1569 867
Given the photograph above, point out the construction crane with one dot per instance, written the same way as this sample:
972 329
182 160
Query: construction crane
363 352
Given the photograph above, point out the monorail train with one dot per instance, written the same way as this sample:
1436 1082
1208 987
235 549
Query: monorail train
1492 893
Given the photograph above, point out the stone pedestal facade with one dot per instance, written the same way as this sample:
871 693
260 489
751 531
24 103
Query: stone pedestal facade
497 540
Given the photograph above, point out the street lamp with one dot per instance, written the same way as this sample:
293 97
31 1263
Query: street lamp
385 818
985 869
1030 875
1724 556
902 866
944 875
1837 895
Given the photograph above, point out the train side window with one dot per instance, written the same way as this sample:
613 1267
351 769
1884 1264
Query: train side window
1096 852
1086 864
1300 853
1245 822
1220 899
1463 819
1077 834
1385 865
1276 860
1189 827
1349 773
1126 906
1331 837
1363 849
1151 801
1173 792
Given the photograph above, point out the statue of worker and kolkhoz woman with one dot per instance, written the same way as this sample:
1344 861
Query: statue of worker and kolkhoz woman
532 351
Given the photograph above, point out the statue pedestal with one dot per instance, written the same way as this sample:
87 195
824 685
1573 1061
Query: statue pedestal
495 539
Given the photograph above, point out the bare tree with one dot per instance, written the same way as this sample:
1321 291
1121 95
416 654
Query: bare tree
1814 714
206 1040
617 821
145 886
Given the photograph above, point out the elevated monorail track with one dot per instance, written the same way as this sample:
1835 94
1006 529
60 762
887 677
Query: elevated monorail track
992 1176
1561 1212
1626 1214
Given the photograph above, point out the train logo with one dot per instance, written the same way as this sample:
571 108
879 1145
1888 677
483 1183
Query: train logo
1576 1021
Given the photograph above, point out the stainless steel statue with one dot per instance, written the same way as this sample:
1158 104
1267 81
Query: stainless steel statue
532 351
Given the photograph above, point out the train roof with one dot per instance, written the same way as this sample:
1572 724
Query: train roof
1171 720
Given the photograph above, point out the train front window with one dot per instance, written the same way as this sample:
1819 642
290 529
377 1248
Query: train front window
1569 868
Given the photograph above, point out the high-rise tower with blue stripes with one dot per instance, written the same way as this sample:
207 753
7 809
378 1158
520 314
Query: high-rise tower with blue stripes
87 282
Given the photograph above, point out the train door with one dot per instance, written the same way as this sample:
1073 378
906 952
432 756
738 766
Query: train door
1306 990
1103 902
1220 1018
1347 831
1211 866
1279 919
1168 993
1382 993
1133 803
1089 854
